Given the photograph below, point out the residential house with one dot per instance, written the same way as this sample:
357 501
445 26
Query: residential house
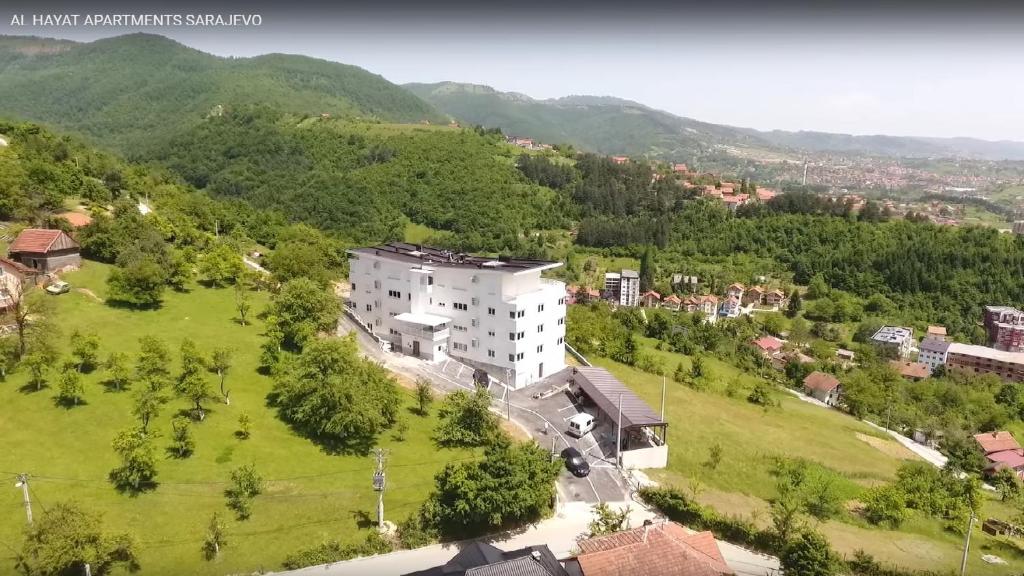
654 549
14 278
483 559
680 168
984 360
913 371
572 294
46 251
845 356
650 299
1001 451
938 332
1005 328
734 201
768 345
898 339
683 283
691 303
775 299
825 387
672 302
708 304
933 353
735 291
499 315
730 307
619 159
612 285
765 194
753 295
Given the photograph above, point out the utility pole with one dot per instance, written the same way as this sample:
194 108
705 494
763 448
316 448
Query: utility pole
967 544
23 484
618 437
804 182
508 393
378 485
552 448
662 397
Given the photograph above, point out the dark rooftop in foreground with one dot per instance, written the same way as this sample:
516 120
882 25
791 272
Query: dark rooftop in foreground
483 559
605 390
435 257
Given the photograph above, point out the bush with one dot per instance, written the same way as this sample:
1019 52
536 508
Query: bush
885 505
334 551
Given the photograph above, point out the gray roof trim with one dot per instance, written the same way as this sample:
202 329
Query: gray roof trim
604 389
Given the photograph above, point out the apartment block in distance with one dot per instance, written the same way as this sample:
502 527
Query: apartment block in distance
896 338
499 315
1005 328
623 288
985 360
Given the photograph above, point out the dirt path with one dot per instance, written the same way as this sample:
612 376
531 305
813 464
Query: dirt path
89 293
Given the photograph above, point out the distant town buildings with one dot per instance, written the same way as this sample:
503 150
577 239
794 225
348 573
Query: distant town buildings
1005 328
896 338
623 287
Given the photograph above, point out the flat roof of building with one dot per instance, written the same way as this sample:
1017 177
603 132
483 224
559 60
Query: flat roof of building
892 334
605 390
986 352
422 319
438 258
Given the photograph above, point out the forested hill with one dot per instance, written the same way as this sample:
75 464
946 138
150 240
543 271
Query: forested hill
598 124
615 126
127 91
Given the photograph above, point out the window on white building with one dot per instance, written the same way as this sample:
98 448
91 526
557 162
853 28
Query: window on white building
512 336
540 327
475 301
561 301
490 333
560 340
540 348
561 321
520 356
511 357
376 283
460 346
395 294
540 307
369 308
490 353
460 306
490 311
353 285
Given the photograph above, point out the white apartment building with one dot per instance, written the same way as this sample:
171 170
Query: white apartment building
623 288
496 314
933 353
897 338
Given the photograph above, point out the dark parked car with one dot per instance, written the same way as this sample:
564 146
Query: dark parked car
575 462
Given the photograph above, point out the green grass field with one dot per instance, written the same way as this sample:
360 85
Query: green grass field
857 455
311 496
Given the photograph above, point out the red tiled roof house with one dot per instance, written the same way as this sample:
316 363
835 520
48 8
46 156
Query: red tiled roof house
661 549
823 386
45 250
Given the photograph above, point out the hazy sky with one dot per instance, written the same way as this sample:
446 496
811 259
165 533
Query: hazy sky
925 70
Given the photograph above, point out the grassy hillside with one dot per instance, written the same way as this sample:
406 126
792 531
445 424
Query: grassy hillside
128 90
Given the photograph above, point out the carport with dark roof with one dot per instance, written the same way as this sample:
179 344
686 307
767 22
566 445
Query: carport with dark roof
610 395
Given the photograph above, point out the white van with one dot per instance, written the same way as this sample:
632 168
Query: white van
580 424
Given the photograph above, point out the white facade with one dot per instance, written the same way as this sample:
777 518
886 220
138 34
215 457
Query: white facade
933 353
498 316
629 288
897 337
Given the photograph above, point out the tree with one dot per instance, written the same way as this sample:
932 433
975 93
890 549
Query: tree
138 461
152 366
424 396
69 388
245 485
885 505
242 303
647 270
962 452
809 554
302 308
697 367
182 442
139 283
192 361
221 265
220 363
336 397
1008 483
799 333
465 419
215 538
794 304
25 310
196 389
761 394
118 374
513 484
714 456
67 537
38 363
146 405
85 348
607 520
680 374
244 426
818 288
9 350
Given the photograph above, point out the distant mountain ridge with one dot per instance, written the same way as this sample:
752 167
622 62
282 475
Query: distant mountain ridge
612 125
127 90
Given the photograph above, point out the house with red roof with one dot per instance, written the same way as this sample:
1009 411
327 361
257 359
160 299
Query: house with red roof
735 290
823 386
45 251
673 302
708 304
775 298
654 549
753 295
650 299
768 345
1002 451
991 442
620 159
765 194
913 371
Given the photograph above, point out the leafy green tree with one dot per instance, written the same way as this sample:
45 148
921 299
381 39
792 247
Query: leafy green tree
647 270
309 258
680 374
69 387
244 426
1008 483
799 333
794 304
465 419
761 394
714 456
962 452
336 397
138 461
146 405
85 348
608 521
424 396
118 374
195 387
38 363
139 283
182 442
243 303
818 288
885 505
245 485
512 485
221 265
809 554
8 355
220 363
302 308
215 538
67 537
152 365
192 361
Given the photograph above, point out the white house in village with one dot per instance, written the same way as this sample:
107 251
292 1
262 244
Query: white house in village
496 314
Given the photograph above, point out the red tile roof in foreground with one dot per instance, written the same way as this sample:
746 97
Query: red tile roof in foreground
656 550
1011 458
996 441
41 241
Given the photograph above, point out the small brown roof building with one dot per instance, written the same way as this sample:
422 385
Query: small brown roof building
911 370
820 381
661 549
45 250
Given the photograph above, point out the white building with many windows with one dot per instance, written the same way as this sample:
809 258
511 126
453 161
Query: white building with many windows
496 314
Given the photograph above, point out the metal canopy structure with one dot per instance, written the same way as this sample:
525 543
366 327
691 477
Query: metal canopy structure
605 390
